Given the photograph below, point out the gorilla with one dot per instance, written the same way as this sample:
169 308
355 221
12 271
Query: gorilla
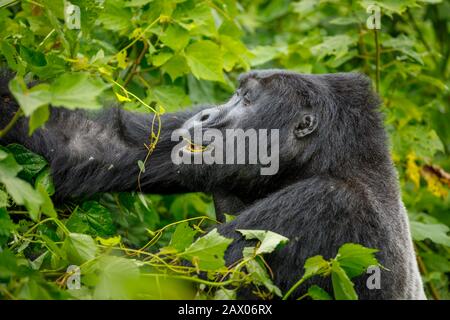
336 182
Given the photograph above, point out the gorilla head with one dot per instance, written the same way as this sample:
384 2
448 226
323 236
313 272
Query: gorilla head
324 122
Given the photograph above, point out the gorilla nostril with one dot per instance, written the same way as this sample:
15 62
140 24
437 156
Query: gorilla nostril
204 117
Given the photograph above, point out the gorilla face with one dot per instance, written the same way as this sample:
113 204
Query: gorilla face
267 100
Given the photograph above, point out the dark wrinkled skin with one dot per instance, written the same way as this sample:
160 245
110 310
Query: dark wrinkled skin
336 182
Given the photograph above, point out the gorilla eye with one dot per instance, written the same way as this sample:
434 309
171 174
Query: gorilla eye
246 99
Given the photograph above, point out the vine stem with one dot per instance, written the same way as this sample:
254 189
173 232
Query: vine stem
377 60
11 123
292 289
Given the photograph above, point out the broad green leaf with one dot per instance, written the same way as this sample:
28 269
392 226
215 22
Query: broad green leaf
115 16
116 276
93 219
47 205
355 259
317 293
170 97
208 251
21 192
79 248
30 99
182 237
435 232
260 276
161 58
38 118
316 265
77 90
343 287
30 162
225 294
337 46
34 58
44 178
6 227
175 67
269 240
391 6
3 199
263 54
175 37
205 60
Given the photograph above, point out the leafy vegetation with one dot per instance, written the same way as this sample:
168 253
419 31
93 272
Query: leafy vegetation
157 56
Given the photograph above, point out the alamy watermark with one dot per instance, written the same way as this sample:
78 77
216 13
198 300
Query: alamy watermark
238 146
73 281
373 22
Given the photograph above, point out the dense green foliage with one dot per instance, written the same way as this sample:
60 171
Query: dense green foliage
157 56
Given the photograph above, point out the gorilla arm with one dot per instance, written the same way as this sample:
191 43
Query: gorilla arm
98 152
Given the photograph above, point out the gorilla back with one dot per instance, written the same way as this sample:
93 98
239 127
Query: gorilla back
336 182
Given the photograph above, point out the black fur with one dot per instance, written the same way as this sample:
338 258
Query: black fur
336 184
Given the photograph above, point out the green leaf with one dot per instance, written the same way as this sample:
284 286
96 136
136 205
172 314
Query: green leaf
337 46
115 16
172 98
77 90
4 199
79 248
395 6
47 204
44 178
182 237
205 60
32 57
175 37
176 67
161 58
116 276
92 218
208 251
355 259
343 287
260 276
30 162
38 118
269 240
225 294
21 192
141 165
29 99
6 227
316 265
229 217
317 293
435 232
263 54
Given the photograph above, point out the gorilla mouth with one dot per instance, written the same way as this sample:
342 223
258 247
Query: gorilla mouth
195 148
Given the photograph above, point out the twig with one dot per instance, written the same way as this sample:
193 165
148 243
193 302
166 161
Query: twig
377 60
11 123
137 62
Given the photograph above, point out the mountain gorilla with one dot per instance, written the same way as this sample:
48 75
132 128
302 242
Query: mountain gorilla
336 182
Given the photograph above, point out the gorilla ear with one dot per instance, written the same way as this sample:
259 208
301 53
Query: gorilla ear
306 126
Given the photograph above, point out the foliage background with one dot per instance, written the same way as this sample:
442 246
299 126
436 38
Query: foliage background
158 56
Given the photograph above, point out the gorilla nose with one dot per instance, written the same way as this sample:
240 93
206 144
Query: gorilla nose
207 116
204 117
